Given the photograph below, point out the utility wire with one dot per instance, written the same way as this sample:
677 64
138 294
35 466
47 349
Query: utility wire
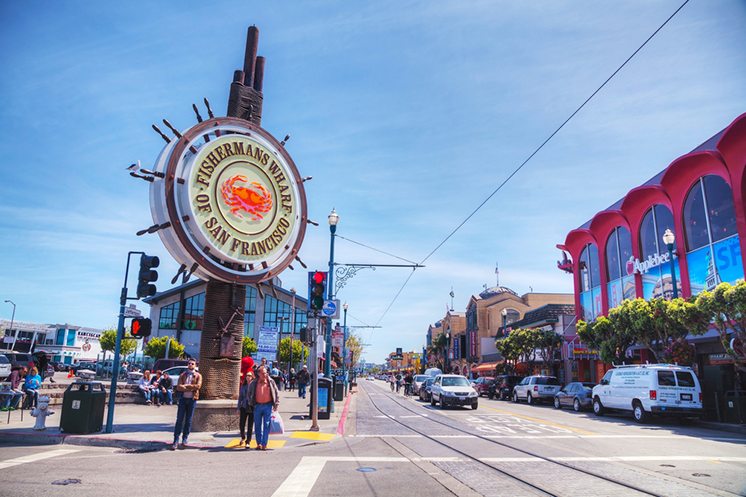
517 169
375 249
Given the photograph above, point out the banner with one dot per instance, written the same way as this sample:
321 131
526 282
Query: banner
267 343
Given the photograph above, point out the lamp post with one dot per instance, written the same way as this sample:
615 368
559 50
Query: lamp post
12 319
504 312
292 329
333 220
669 239
344 348
447 359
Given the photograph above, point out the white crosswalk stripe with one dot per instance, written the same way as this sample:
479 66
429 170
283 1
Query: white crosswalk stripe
35 457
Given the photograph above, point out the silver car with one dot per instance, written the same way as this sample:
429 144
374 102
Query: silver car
4 367
536 388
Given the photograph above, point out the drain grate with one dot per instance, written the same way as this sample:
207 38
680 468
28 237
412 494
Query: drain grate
67 481
366 469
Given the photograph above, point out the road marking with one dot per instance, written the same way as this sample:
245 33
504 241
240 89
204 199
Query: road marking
453 436
271 444
388 435
35 457
409 416
614 459
541 421
313 435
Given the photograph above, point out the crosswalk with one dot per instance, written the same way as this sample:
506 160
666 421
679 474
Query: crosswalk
9 463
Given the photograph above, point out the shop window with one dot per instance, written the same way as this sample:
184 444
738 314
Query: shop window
656 278
169 316
590 281
621 283
250 312
713 246
194 312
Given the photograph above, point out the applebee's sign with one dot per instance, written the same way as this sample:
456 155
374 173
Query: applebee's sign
636 266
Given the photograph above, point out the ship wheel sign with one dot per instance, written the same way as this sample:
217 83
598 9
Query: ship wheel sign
227 201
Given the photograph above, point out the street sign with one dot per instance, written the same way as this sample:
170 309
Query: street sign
331 309
132 312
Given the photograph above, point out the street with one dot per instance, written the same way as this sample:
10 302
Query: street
397 446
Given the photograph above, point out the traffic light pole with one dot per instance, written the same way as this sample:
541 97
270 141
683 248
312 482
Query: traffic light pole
117 347
330 293
315 378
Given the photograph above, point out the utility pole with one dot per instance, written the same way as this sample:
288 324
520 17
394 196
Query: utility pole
315 379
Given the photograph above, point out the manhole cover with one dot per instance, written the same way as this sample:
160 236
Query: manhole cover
700 474
366 469
68 481
667 466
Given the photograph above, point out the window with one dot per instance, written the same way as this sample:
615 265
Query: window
70 338
590 283
169 317
685 378
277 312
656 281
250 311
547 380
194 312
666 379
620 286
712 243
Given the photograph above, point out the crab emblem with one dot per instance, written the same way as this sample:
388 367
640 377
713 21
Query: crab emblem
253 198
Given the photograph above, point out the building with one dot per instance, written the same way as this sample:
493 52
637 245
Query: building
62 342
405 360
179 312
620 254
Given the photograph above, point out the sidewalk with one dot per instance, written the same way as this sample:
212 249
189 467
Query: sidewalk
149 428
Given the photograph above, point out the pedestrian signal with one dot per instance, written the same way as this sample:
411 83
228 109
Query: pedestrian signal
141 327
317 281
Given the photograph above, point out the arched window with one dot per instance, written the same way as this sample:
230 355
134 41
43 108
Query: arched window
712 243
511 316
655 263
590 282
621 284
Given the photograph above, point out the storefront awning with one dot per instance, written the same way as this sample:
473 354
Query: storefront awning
486 367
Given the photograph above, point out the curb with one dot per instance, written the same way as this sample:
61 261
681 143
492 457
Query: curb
730 428
343 416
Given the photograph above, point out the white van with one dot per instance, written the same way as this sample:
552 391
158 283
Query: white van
646 389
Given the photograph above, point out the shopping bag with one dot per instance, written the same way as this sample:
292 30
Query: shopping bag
277 427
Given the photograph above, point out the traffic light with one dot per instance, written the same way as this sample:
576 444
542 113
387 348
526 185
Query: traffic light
141 327
317 281
305 336
146 275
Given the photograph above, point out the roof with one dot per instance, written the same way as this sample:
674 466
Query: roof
496 290
549 312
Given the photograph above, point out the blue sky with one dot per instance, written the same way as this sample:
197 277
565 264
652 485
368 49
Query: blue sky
407 115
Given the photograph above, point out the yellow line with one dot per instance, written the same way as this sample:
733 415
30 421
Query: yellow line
271 444
312 435
542 421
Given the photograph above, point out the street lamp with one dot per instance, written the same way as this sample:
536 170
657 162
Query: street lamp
504 312
344 348
669 238
12 319
333 220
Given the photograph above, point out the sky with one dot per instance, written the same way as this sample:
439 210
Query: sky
407 114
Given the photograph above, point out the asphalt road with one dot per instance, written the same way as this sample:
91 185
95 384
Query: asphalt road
401 447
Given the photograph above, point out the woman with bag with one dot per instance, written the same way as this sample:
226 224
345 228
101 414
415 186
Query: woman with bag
245 410
264 398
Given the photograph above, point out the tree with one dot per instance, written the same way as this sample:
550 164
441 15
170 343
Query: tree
355 349
284 353
156 347
726 307
601 335
549 342
108 342
248 346
440 345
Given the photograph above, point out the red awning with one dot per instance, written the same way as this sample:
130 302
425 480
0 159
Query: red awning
486 367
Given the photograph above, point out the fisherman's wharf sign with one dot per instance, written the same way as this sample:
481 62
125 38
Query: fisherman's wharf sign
234 199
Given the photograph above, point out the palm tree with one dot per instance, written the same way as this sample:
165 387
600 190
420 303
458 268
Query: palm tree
441 345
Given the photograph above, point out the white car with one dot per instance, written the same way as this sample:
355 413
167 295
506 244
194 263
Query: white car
536 388
419 379
646 389
4 367
453 390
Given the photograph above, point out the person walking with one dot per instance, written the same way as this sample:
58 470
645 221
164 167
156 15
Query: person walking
303 378
245 410
189 384
291 379
265 398
408 380
398 382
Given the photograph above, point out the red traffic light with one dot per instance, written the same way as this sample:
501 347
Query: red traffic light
318 277
141 327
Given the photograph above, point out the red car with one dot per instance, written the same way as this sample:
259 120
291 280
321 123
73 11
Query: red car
482 384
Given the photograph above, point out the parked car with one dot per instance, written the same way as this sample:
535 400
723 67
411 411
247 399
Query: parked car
425 387
164 364
482 385
419 379
453 389
502 387
58 366
646 389
176 371
536 389
579 395
433 372
19 358
4 367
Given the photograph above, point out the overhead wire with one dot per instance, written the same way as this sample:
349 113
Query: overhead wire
517 169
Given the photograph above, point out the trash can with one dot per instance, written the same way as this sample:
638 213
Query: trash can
325 399
83 407
339 389
735 406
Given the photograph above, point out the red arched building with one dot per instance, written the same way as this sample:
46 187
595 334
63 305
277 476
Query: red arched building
700 197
